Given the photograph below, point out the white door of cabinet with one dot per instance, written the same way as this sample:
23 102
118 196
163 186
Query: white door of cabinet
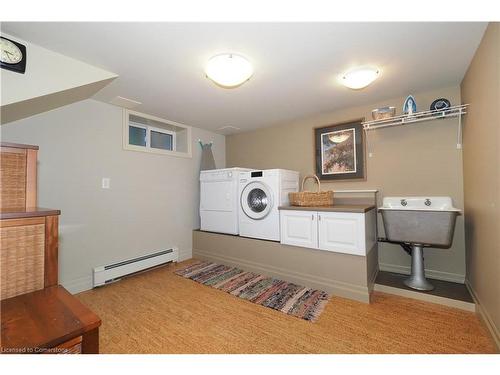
342 232
299 228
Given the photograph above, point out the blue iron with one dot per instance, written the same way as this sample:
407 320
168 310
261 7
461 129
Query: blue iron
410 105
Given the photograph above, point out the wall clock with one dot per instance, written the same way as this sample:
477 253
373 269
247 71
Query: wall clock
12 55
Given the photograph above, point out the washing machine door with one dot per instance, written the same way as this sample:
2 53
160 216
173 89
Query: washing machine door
256 200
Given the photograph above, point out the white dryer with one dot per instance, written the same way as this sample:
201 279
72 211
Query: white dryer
219 200
260 195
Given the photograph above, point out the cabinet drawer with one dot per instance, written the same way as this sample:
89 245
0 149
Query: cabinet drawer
299 228
342 232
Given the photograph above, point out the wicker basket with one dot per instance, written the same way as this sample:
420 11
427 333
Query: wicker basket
309 198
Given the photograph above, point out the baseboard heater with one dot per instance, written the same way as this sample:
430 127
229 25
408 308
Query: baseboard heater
113 272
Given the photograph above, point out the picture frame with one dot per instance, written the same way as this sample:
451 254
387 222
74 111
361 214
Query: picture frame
340 151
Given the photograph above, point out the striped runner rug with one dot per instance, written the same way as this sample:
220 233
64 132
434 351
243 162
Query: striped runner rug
292 299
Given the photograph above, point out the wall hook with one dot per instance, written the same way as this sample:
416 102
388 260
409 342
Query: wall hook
202 144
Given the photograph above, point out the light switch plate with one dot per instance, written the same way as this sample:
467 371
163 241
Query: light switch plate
106 182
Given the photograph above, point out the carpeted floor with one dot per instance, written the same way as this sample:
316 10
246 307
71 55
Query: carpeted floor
160 312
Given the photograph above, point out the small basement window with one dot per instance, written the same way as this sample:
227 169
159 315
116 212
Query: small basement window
147 133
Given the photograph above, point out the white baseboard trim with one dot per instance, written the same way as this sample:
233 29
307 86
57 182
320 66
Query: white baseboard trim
462 305
78 285
338 288
485 316
432 274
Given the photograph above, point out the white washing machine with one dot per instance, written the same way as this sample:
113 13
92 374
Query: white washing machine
261 193
219 200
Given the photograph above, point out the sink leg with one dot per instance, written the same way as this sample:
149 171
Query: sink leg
417 279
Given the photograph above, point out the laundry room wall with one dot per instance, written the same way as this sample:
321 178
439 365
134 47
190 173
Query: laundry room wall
152 203
481 88
418 159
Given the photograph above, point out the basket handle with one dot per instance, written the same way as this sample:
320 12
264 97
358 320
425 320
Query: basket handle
311 176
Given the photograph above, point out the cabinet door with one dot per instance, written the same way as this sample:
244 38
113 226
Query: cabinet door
299 228
342 232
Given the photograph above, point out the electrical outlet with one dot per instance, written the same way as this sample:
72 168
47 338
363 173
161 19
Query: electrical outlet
106 182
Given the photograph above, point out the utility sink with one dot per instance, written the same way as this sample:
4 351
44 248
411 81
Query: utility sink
428 221
419 222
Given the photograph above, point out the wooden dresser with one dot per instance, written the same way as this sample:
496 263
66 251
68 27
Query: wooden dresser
37 315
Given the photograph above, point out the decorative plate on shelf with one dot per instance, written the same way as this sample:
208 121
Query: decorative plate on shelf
440 104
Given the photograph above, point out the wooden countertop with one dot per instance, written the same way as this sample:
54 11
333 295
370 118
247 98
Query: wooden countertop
18 145
356 208
44 319
19 213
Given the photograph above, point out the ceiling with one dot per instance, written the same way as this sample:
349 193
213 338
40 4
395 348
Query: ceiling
296 65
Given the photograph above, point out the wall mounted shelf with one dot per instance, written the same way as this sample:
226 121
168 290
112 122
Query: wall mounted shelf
455 111
416 117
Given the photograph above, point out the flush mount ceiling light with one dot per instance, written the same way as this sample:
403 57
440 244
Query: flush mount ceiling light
229 70
360 77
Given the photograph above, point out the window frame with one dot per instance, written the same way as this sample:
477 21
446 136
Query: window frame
159 130
140 126
127 123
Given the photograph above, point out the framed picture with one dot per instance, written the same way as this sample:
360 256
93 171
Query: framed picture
340 151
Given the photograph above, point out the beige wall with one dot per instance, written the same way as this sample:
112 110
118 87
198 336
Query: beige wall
418 159
51 80
481 88
152 203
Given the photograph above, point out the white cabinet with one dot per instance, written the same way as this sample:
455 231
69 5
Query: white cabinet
342 232
299 228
